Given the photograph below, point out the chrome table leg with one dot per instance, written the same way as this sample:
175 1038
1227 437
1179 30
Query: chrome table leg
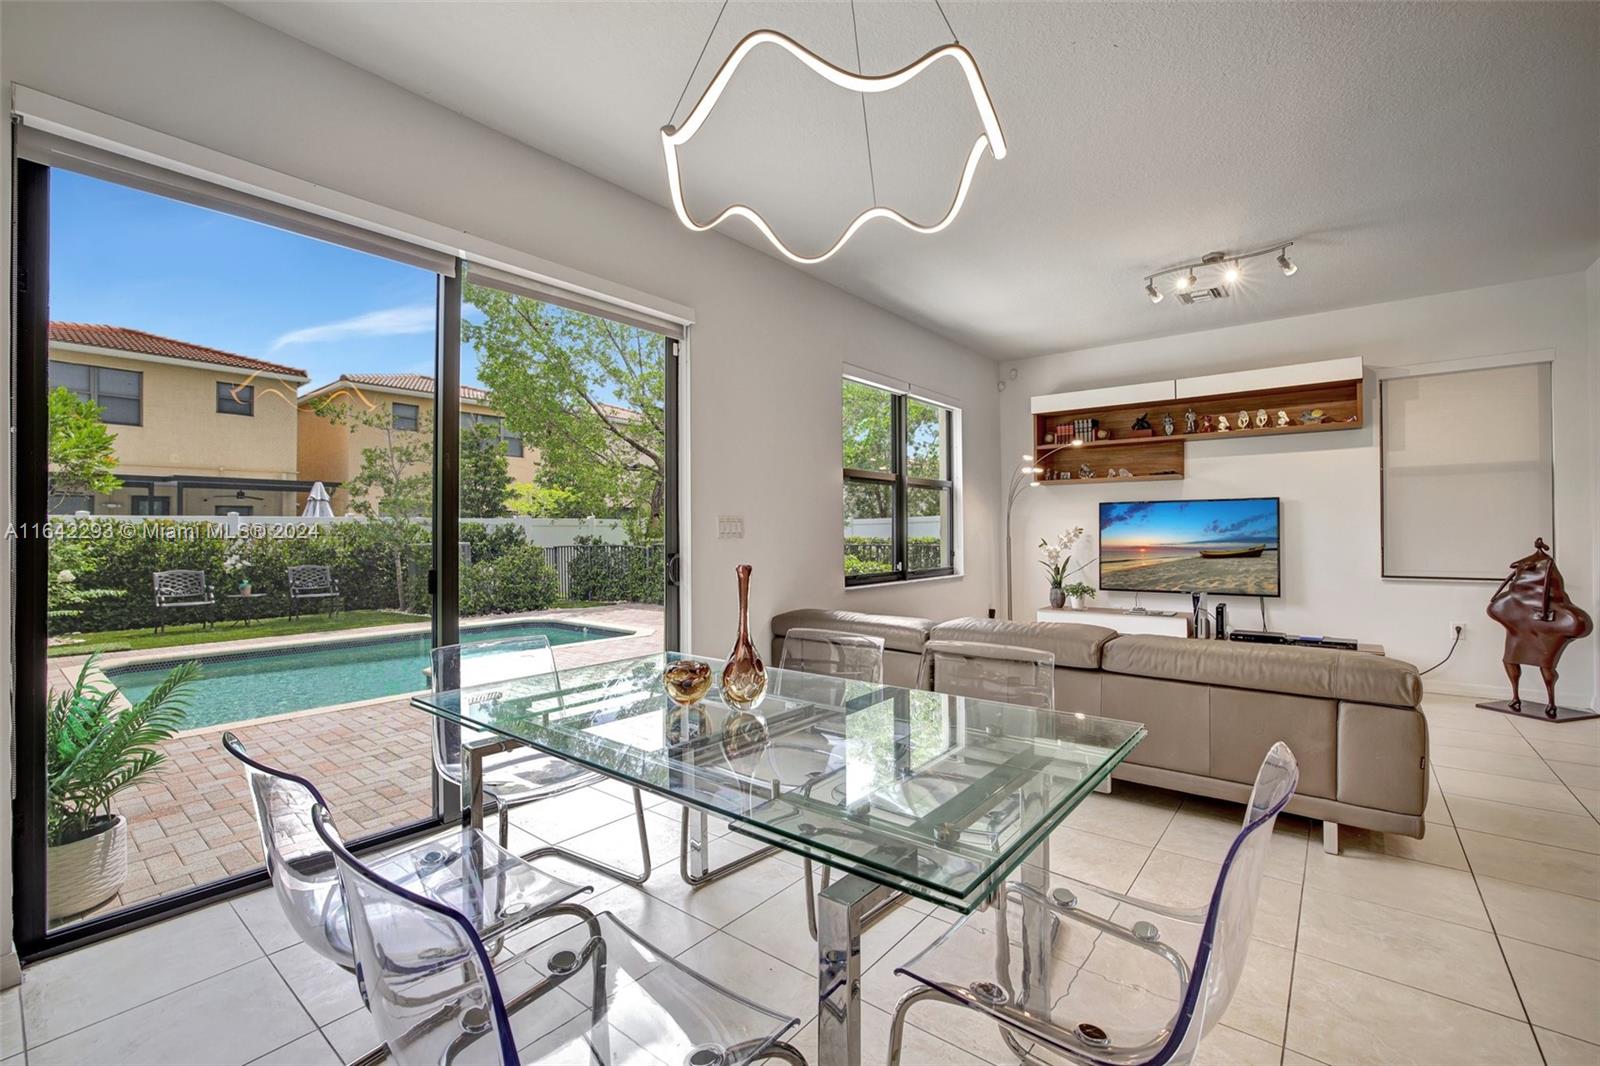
694 852
841 908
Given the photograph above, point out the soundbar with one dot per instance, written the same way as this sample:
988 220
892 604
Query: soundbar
1266 636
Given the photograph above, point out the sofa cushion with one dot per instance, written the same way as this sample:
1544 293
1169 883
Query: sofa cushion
898 632
1074 646
1322 673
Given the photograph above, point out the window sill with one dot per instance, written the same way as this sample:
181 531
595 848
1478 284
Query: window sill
957 576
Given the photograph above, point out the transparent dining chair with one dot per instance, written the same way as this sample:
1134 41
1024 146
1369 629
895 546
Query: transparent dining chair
1150 981
513 774
998 672
582 988
462 868
850 656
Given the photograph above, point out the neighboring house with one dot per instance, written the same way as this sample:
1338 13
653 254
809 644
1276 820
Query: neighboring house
330 452
199 431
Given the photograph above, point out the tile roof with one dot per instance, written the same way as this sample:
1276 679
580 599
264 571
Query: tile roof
123 339
420 383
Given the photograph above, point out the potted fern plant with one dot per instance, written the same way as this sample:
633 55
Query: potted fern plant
93 751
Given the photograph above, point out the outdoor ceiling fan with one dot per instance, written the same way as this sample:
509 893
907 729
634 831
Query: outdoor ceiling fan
241 495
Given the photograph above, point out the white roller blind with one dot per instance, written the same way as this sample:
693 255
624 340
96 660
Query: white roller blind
1468 477
573 300
54 151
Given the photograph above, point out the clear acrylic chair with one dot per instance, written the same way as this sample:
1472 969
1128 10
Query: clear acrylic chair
998 672
582 987
850 656
462 868
1150 981
514 775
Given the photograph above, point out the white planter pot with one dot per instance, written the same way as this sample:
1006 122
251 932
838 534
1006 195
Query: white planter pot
1075 602
87 872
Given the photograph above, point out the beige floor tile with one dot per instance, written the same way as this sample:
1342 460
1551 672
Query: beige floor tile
921 1048
1339 1015
1561 991
230 1018
1096 859
1206 829
1225 1046
1590 798
1175 880
1439 844
1537 915
672 931
1508 741
1562 1050
720 902
352 1036
1529 767
1585 732
326 991
1131 812
1466 717
1260 1003
312 1049
1436 808
1558 869
1294 1058
733 964
263 915
1440 957
564 817
77 989
779 928
1419 887
1557 750
1579 832
1502 789
11 1022
1577 774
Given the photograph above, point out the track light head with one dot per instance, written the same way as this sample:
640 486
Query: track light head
1231 275
1151 291
1185 281
1285 264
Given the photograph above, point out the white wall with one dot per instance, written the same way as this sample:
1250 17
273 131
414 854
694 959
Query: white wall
1593 284
1329 481
767 346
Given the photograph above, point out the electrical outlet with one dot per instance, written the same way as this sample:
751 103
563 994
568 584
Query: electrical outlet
1457 629
730 526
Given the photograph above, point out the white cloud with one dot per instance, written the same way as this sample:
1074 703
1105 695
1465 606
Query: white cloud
394 322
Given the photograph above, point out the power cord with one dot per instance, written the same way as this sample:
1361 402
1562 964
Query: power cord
1447 654
1263 601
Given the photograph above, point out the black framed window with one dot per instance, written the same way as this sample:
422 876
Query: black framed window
407 417
235 399
513 443
152 505
899 490
119 393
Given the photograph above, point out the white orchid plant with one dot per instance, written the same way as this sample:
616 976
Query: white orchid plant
1058 556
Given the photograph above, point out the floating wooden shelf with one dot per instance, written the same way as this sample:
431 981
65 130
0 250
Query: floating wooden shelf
1160 457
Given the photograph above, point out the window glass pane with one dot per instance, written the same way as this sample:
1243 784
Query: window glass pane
868 528
868 427
513 446
928 540
235 399
116 411
406 417
124 383
927 440
74 376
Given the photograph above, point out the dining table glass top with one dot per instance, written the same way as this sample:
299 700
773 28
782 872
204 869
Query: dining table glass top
936 795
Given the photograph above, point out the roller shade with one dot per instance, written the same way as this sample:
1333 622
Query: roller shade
495 278
56 151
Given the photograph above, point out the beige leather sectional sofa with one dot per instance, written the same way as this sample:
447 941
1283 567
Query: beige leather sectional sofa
1213 708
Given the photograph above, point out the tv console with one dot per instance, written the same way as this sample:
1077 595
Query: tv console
1123 619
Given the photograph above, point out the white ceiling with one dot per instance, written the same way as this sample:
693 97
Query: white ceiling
1407 148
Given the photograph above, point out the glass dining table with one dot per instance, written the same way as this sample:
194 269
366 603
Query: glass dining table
899 791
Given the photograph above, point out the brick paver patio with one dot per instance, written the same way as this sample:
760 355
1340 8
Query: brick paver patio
192 822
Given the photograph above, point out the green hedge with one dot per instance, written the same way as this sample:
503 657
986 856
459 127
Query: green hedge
513 580
875 555
633 573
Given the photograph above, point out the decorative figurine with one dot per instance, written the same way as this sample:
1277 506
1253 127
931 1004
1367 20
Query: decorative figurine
1111 471
1049 438
1190 424
1102 434
1311 416
1261 418
1086 471
1167 425
1207 424
744 679
1222 423
1243 421
1283 419
1142 422
1125 472
1540 620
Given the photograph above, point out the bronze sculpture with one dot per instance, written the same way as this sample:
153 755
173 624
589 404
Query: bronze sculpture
1540 621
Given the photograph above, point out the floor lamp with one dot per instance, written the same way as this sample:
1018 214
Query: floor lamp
1025 476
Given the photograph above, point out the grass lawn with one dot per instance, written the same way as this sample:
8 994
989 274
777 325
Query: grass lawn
193 633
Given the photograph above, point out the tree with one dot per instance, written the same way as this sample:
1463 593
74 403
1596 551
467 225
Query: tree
394 486
485 481
528 498
869 445
82 449
588 392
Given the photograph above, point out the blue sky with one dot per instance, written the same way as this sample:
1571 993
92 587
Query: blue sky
128 258
1172 522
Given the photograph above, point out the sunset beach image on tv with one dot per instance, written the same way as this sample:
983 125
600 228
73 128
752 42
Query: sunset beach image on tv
1225 547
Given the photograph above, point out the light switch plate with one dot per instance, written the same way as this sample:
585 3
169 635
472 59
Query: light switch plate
730 526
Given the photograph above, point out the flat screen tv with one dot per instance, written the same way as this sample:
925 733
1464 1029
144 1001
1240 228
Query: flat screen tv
1223 547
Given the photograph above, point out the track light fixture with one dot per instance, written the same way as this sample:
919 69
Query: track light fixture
1228 271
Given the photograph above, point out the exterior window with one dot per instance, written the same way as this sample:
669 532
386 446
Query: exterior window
899 489
407 416
148 505
235 399
117 392
512 444
235 508
71 504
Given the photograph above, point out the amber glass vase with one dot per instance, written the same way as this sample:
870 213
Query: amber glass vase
744 679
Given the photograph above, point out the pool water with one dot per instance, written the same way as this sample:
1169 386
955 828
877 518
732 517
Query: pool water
238 686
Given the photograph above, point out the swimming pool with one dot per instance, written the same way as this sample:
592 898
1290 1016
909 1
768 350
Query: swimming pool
238 686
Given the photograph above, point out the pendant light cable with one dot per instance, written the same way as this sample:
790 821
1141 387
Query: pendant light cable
866 128
672 118
947 25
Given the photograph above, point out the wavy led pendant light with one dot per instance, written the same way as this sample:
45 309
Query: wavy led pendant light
674 136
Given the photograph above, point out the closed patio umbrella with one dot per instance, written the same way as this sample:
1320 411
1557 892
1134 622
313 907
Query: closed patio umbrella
318 504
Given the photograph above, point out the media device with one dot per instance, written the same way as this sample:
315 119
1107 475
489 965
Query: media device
1220 547
1222 621
1267 636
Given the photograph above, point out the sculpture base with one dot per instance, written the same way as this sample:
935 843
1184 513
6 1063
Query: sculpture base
1535 709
